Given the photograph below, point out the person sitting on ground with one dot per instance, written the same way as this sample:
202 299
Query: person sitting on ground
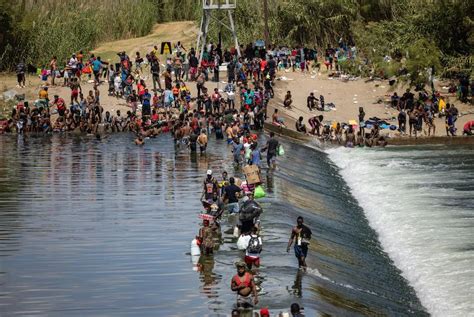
288 100
243 283
381 142
300 126
468 128
276 120
350 138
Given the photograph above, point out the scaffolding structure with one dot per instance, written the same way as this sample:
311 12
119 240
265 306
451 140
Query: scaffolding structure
209 9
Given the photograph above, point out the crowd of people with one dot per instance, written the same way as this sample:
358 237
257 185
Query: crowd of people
239 197
249 88
153 110
415 116
234 114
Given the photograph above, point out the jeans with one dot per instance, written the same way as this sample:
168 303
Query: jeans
233 208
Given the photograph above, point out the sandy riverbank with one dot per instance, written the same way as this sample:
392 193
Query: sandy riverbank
348 97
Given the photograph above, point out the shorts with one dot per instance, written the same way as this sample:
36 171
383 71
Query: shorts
74 93
250 260
271 158
301 250
233 208
244 302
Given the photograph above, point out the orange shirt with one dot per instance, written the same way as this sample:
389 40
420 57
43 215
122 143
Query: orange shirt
43 94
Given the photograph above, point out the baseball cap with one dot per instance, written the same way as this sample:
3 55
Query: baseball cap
209 172
264 312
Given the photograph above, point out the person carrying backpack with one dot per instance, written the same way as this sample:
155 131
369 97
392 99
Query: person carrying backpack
254 248
249 214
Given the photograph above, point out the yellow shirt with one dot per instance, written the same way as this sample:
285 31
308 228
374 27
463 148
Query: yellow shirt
43 94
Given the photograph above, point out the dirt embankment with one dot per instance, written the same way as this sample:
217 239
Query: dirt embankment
348 96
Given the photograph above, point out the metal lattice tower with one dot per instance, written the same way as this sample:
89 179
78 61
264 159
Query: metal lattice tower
209 7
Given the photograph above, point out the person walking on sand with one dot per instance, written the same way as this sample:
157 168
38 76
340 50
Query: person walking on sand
301 236
244 284
20 74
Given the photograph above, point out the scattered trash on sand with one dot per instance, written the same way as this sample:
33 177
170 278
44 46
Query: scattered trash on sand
9 95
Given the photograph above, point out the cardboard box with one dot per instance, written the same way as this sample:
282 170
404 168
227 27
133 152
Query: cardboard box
252 174
238 181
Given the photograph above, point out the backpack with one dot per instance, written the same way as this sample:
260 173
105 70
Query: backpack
249 210
254 245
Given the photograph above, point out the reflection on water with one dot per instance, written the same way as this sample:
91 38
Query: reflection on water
92 227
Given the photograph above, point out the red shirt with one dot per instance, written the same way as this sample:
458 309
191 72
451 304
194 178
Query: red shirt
194 123
244 280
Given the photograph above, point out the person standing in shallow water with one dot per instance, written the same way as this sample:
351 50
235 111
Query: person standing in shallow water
271 147
244 285
300 235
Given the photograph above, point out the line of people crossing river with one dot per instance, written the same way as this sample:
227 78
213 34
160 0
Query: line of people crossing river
236 201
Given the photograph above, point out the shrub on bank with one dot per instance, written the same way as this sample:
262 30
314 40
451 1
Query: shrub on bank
34 31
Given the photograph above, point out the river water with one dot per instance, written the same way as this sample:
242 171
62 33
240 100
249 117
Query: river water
100 228
420 200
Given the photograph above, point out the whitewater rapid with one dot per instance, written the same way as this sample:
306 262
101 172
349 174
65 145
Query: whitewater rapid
420 202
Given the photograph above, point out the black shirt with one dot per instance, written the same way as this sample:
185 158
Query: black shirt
193 61
231 191
272 146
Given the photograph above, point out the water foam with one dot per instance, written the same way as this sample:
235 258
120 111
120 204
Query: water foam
403 200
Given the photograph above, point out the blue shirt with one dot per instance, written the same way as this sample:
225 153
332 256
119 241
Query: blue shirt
237 149
96 65
255 157
146 99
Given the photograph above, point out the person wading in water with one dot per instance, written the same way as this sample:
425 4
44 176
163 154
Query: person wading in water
300 235
244 285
